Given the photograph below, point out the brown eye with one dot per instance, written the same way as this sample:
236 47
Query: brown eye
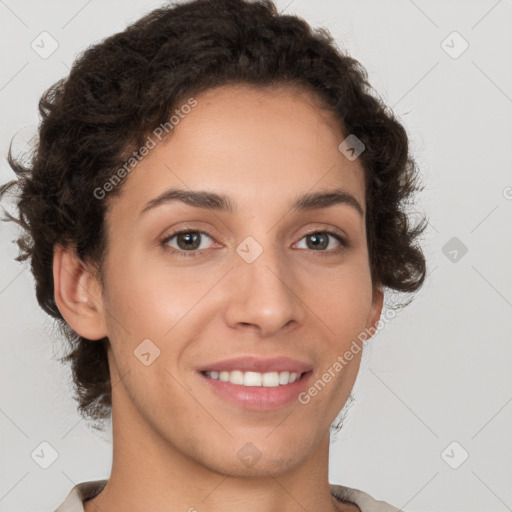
186 241
320 241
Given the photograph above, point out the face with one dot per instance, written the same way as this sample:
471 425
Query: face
263 279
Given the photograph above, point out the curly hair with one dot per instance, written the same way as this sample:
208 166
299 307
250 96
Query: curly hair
121 88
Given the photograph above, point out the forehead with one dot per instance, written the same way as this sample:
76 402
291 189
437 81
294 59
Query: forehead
254 144
262 120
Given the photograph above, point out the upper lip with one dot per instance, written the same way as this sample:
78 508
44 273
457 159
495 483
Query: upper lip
258 364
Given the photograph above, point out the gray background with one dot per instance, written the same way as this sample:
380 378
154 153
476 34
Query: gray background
437 373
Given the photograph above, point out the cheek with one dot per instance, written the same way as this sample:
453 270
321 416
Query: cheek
145 299
153 308
341 301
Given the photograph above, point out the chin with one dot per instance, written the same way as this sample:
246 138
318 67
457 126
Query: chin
259 455
273 465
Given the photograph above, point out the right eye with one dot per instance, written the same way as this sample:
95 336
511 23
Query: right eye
189 242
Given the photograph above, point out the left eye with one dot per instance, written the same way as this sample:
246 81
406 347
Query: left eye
320 240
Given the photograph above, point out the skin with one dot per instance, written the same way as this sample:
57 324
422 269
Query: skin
175 441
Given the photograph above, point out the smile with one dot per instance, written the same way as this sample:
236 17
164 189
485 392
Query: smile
254 390
255 379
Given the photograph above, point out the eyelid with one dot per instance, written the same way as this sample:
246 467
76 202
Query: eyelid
186 228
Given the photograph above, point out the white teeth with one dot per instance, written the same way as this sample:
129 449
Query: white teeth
236 377
283 377
251 379
269 379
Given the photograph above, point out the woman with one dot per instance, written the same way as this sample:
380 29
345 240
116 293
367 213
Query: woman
213 213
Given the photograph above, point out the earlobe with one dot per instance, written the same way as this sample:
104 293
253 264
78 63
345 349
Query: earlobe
77 294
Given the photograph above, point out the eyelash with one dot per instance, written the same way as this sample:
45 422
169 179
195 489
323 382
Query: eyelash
197 252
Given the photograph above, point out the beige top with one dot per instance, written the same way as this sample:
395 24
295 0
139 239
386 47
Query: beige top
86 490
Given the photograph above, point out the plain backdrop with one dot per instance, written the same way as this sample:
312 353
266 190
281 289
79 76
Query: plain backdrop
430 425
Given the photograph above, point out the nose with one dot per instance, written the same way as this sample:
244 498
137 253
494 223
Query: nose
263 295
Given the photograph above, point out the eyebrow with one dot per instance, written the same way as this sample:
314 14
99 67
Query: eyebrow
222 203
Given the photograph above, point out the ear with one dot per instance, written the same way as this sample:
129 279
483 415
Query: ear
375 312
77 293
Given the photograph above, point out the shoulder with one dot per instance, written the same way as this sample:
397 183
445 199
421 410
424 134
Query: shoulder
362 499
79 493
85 490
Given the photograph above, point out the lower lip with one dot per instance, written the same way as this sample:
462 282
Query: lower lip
259 397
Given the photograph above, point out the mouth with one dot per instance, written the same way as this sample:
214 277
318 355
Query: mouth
254 390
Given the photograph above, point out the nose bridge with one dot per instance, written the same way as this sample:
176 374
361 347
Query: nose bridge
262 292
